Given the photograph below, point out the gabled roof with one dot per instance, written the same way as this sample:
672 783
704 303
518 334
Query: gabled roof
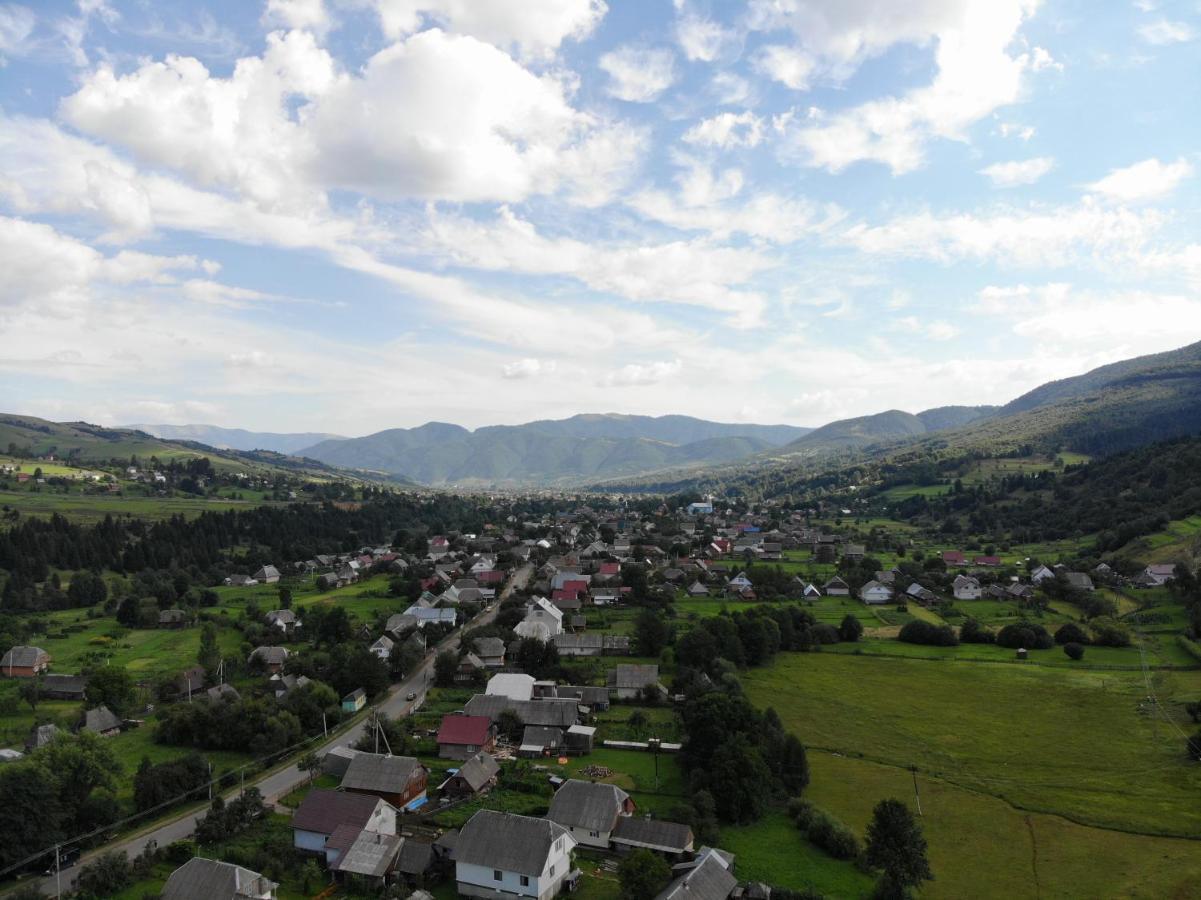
323 811
508 842
100 720
628 675
380 773
559 713
478 770
470 730
211 879
371 855
490 646
24 657
710 879
655 834
583 804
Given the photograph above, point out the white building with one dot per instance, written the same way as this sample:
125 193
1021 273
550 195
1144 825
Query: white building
504 855
873 593
965 587
511 685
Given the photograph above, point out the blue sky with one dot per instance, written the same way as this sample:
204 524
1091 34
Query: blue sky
357 214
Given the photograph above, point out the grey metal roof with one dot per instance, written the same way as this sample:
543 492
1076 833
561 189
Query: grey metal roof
710 880
40 736
582 804
101 719
22 656
377 772
508 842
639 831
559 713
635 676
542 736
490 646
274 656
323 811
211 879
372 854
478 770
415 857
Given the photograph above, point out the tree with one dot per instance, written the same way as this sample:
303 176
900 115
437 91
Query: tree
32 811
31 692
896 846
80 765
446 664
310 763
793 764
637 721
1071 633
285 597
651 632
1074 650
111 686
107 875
738 778
643 874
209 654
850 629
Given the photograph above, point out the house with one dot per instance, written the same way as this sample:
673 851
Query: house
283 619
501 855
988 562
24 662
578 739
708 877
491 650
953 557
221 692
354 701
541 740
738 583
322 812
40 736
836 587
659 835
172 618
580 644
102 721
922 595
284 684
478 773
874 593
965 587
382 647
469 666
401 780
270 658
366 856
554 713
589 810
1160 574
266 575
595 698
854 551
1079 581
696 589
191 681
629 681
1019 591
462 737
513 685
810 591
542 621
1041 574
63 687
212 879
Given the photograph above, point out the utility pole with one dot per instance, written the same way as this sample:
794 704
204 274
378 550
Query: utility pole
654 744
324 727
375 728
58 880
210 782
916 792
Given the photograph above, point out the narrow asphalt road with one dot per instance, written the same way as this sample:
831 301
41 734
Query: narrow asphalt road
282 782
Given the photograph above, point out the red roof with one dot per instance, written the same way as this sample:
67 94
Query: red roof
952 556
492 576
472 730
573 586
610 568
988 560
565 595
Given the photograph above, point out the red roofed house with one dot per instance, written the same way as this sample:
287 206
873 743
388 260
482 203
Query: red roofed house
462 737
492 576
609 569
572 588
953 557
987 560
322 812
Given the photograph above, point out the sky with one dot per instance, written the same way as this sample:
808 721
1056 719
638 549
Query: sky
351 215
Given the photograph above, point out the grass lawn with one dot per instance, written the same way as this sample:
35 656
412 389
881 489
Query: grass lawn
90 508
980 846
772 850
1076 742
1160 653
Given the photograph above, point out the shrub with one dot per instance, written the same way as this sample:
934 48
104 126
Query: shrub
1071 633
919 632
972 632
1074 650
832 836
1024 634
824 633
1108 633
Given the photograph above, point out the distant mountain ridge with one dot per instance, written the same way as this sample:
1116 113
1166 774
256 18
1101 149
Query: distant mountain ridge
891 425
550 451
235 438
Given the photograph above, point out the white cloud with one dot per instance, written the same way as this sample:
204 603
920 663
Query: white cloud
304 14
701 39
1013 129
975 76
726 130
526 368
16 25
535 28
936 330
1018 171
1146 180
638 75
1041 60
642 374
1165 31
730 89
791 67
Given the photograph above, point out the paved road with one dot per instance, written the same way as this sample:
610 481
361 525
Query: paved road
283 782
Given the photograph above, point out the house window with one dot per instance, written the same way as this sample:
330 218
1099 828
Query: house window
525 880
552 871
593 834
496 875
559 844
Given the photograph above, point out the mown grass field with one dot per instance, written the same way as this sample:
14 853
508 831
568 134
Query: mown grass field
91 508
982 847
1082 743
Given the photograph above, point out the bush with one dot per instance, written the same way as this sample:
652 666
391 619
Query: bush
823 633
1074 650
1071 633
1193 747
972 632
919 632
832 836
1025 634
1108 633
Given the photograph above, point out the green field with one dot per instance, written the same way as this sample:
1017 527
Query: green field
88 508
1077 742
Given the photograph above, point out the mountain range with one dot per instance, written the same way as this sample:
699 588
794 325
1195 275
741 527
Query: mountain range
235 438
